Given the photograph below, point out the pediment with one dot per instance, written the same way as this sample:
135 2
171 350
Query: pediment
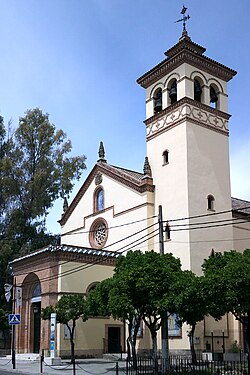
134 180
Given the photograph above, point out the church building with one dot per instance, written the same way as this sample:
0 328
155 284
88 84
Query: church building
186 172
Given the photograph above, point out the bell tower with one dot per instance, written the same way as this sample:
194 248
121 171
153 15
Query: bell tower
187 147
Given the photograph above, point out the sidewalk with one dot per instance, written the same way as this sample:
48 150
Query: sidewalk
83 367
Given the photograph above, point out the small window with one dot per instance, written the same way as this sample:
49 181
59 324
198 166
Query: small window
210 203
158 101
99 200
165 157
167 232
173 92
197 90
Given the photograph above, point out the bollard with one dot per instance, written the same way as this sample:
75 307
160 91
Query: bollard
41 361
116 368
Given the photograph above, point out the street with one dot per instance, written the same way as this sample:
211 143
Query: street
83 367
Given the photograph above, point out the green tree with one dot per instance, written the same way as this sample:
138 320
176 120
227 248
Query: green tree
68 309
4 326
110 298
228 278
98 299
192 303
146 282
35 170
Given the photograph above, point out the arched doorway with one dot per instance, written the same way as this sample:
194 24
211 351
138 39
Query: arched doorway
29 332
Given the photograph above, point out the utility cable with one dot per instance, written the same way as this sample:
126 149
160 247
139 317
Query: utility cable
73 232
206 227
209 214
103 249
205 222
100 260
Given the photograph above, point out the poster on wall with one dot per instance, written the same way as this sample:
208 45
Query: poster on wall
174 329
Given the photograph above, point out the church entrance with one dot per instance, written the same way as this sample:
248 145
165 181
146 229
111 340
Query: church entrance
114 339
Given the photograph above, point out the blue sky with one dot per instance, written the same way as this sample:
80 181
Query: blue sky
78 60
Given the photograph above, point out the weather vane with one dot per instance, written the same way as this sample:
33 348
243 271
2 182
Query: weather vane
184 18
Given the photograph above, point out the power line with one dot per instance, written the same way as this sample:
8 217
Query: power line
209 214
73 232
207 227
113 227
119 252
104 248
78 268
206 222
126 246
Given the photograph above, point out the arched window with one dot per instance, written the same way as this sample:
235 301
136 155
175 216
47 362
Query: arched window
197 90
173 92
165 157
99 199
210 203
158 100
37 290
213 97
92 286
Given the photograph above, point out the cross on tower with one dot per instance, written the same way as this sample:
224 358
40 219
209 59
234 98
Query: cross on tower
184 19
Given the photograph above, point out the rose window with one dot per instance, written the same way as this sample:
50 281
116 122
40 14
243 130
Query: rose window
98 233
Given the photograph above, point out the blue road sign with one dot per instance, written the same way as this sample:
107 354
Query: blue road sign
52 345
14 319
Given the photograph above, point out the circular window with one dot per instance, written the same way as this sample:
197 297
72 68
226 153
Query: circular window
98 233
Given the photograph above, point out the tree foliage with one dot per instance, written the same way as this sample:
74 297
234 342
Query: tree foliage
228 278
192 302
141 288
35 169
98 299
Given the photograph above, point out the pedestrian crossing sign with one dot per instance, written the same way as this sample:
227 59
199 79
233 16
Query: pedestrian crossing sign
14 319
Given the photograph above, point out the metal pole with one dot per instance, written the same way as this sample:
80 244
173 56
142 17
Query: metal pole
13 353
41 361
223 342
164 326
212 337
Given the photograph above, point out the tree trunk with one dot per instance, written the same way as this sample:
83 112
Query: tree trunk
72 346
248 339
137 322
154 343
191 341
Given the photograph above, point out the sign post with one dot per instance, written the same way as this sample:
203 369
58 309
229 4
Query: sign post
52 334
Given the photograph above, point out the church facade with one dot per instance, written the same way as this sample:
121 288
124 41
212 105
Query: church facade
186 172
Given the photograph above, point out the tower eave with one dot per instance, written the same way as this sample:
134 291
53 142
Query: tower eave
186 56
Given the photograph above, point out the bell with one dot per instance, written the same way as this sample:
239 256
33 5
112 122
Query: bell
197 91
157 105
213 95
173 93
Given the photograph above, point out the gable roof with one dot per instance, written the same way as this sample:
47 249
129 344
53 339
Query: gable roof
132 179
